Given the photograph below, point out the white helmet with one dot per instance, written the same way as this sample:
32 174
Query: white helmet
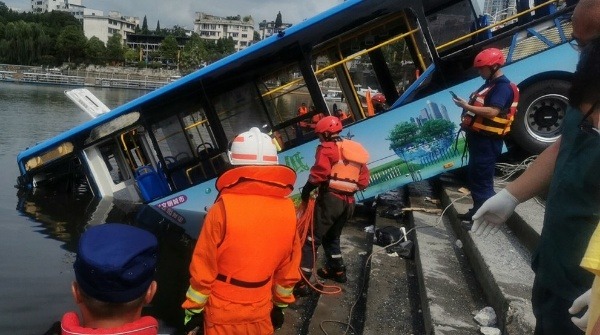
253 148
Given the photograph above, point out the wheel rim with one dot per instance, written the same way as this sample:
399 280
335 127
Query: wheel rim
544 117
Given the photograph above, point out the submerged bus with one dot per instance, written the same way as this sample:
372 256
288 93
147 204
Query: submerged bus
167 147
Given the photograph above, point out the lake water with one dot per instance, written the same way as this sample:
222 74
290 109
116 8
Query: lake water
40 231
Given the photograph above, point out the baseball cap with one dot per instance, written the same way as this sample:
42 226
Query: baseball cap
116 262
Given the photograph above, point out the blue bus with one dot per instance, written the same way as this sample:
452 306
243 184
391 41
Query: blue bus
385 66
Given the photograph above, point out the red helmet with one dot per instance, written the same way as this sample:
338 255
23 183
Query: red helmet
380 98
328 124
489 57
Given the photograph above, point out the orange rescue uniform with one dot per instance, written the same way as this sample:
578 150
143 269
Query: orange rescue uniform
248 252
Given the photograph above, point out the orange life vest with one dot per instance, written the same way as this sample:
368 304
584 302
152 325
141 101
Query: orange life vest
498 125
346 171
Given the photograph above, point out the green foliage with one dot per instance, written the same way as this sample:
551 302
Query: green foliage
403 134
95 51
132 56
409 134
71 44
32 38
434 129
168 49
193 55
114 49
278 20
145 30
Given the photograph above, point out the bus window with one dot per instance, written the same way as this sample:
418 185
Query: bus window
286 97
239 109
371 65
172 141
199 132
452 22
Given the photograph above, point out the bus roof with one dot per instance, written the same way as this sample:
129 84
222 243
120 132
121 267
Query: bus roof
348 14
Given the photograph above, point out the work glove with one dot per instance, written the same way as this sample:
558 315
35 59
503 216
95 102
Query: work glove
578 305
193 323
308 187
277 317
493 213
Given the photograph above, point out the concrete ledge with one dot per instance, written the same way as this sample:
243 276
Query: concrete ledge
502 266
449 293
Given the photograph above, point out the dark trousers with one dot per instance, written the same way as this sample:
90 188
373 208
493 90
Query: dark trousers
551 313
330 217
483 154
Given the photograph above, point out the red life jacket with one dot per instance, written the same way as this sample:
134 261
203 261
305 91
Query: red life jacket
146 325
345 172
497 126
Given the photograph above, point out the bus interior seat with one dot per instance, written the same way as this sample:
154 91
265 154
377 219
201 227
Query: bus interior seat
150 184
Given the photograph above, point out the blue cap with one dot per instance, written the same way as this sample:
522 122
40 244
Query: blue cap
116 262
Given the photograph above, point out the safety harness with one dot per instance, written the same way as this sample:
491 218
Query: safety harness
497 126
346 171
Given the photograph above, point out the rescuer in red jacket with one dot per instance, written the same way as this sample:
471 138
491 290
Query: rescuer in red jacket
339 171
245 263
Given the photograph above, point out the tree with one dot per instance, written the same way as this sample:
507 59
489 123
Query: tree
157 30
71 44
256 36
114 49
403 134
278 21
194 54
145 30
132 55
168 49
95 51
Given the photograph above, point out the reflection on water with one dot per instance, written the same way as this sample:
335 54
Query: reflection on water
39 238
64 218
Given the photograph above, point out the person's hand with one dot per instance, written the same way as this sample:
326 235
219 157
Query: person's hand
277 317
578 305
308 187
193 323
460 102
493 213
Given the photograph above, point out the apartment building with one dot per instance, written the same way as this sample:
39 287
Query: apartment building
212 27
268 28
105 26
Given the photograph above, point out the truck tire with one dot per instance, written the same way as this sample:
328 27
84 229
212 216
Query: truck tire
540 115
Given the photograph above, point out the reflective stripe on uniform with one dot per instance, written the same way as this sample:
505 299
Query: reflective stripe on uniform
196 296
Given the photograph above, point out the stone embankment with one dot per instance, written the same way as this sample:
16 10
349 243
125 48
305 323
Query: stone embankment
442 280
107 76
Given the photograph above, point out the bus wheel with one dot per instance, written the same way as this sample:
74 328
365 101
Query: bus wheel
540 115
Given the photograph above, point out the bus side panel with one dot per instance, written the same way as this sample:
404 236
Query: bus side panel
412 142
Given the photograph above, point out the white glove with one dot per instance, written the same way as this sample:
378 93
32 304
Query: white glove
493 213
579 304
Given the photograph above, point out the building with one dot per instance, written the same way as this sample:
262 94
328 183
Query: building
43 6
104 27
148 44
499 9
212 27
267 29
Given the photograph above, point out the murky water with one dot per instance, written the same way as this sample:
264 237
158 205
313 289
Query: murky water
40 231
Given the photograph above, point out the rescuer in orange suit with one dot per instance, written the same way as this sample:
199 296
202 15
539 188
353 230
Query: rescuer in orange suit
339 171
245 263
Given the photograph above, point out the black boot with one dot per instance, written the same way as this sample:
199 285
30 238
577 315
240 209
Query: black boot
301 289
337 274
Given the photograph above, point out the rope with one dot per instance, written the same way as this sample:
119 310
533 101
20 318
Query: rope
304 225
